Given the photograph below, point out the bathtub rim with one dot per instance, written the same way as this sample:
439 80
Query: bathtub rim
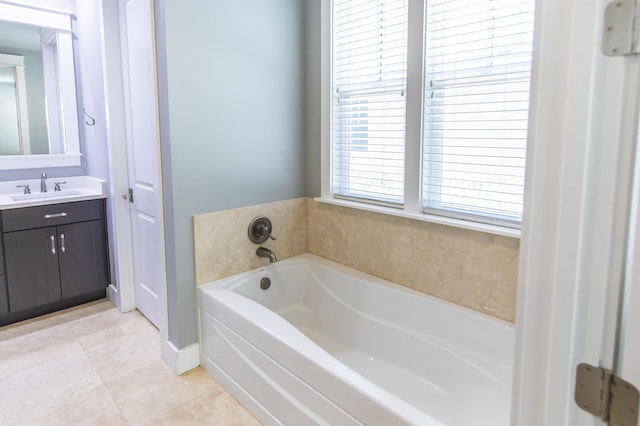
226 282
231 282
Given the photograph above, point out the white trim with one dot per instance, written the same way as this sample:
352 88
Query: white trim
180 360
575 207
629 337
414 118
114 297
325 98
116 136
423 217
54 122
37 161
66 100
10 59
39 17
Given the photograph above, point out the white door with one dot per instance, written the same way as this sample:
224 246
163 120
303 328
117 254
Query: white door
584 121
144 157
629 340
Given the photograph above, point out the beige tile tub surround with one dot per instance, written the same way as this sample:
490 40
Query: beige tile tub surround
222 247
470 268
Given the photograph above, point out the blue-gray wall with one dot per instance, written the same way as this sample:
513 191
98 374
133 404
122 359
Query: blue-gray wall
232 121
90 87
312 92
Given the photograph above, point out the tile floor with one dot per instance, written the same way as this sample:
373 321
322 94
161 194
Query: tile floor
91 365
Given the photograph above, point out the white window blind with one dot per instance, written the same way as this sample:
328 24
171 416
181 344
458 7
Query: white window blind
369 83
476 99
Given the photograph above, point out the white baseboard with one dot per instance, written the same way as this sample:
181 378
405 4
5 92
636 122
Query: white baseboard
114 296
180 360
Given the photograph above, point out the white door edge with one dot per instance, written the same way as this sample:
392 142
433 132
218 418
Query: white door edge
577 188
629 338
121 232
122 293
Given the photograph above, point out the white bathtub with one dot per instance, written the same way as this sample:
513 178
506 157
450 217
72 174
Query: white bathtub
326 344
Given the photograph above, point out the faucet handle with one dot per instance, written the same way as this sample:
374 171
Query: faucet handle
56 185
260 230
27 190
265 231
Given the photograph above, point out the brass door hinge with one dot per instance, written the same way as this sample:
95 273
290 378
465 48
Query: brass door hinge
607 396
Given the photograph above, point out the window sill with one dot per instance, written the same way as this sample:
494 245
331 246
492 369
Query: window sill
441 220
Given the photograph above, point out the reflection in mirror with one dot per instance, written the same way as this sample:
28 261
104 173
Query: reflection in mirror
35 49
38 110
13 130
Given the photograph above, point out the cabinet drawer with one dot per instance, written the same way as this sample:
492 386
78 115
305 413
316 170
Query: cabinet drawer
51 215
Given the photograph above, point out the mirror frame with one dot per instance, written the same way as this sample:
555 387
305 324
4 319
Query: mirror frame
62 23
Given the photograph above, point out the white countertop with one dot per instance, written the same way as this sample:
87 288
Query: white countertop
77 188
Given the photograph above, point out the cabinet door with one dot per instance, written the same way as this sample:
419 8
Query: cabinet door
4 298
83 258
33 277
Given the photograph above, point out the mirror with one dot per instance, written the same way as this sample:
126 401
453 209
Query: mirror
38 109
14 127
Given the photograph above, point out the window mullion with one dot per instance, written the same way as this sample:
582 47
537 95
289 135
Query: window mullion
415 81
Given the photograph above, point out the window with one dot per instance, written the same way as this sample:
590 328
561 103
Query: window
474 88
370 78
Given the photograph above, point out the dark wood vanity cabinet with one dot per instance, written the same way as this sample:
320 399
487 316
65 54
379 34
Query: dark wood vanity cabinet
32 268
4 295
55 255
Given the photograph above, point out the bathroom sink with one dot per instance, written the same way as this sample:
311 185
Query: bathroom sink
45 195
76 188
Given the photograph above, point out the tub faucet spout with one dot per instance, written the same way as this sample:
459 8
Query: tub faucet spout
265 252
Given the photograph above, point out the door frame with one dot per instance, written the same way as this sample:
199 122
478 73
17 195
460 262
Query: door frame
579 173
123 293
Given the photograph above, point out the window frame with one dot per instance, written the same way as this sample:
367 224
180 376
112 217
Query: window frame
412 207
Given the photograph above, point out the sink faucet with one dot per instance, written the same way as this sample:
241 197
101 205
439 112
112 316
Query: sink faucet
265 252
43 182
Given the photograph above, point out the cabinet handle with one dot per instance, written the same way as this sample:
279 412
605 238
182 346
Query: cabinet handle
54 215
53 244
62 247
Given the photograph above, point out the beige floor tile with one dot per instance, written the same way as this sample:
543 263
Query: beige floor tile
33 390
91 365
154 391
39 346
93 407
123 356
211 408
104 327
86 309
12 331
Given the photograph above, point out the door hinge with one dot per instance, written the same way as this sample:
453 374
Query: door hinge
607 396
621 32
128 195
